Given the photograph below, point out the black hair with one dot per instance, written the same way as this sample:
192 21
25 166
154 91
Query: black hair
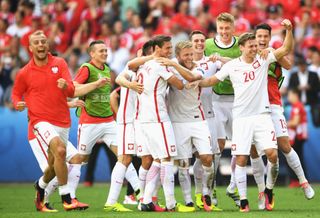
263 26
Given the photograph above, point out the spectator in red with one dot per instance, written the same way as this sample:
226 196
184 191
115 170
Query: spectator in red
5 39
136 28
313 39
183 18
105 33
274 19
27 7
83 36
289 7
59 38
254 11
126 40
241 24
18 28
297 128
216 7
93 14
5 13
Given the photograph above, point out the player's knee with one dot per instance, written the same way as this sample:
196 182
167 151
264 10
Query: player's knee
125 159
273 156
206 160
253 152
61 152
184 163
146 161
284 146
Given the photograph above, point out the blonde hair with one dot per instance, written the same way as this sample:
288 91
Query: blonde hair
182 45
225 17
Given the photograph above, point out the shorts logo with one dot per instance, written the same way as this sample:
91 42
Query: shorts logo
54 69
83 147
47 134
130 147
139 148
233 147
173 148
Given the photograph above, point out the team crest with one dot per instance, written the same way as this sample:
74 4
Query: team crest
256 64
54 69
233 147
173 148
130 147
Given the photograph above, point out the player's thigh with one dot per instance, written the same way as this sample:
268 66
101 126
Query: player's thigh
140 141
213 134
71 151
125 139
45 132
264 133
183 140
201 138
279 122
242 135
40 151
88 135
109 133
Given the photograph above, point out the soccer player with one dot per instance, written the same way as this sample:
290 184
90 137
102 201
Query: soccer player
251 110
275 78
224 44
96 118
43 86
209 66
156 126
125 130
190 128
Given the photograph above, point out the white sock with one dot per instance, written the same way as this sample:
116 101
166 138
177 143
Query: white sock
167 180
41 183
73 178
50 189
158 186
272 174
142 179
197 173
232 186
185 183
117 178
64 189
295 164
151 182
241 180
132 177
258 169
208 174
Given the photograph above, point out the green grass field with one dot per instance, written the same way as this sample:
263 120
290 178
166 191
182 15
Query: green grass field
16 201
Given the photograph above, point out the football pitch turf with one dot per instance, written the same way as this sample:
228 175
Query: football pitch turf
16 201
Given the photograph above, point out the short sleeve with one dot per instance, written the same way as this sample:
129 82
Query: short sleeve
164 71
223 72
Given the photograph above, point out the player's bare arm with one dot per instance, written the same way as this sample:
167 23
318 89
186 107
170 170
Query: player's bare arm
124 80
288 41
184 72
83 89
207 82
176 82
135 63
284 61
215 57
76 103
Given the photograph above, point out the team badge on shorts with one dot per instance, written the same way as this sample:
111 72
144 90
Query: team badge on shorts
139 148
173 148
233 147
130 147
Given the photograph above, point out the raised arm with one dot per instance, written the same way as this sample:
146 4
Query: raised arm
288 41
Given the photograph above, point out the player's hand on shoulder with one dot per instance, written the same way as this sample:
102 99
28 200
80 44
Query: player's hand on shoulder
264 53
137 87
21 105
165 61
62 83
287 24
214 57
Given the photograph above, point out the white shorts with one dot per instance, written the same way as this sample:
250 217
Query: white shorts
213 132
257 130
40 151
125 139
45 132
89 134
279 121
192 134
223 119
142 149
159 139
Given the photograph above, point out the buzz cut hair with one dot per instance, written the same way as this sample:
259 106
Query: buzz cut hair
182 45
225 17
36 33
93 43
243 38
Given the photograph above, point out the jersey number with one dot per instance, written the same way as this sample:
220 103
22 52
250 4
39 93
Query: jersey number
274 138
248 76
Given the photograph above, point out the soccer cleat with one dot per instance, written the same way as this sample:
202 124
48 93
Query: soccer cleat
244 206
147 207
72 206
80 205
308 190
206 199
261 201
215 208
199 202
269 199
39 197
182 208
235 197
130 199
116 208
48 209
214 198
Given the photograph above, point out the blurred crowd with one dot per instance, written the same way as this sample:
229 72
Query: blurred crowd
126 25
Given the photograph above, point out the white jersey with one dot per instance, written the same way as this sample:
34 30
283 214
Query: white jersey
209 68
185 105
250 85
127 108
151 104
